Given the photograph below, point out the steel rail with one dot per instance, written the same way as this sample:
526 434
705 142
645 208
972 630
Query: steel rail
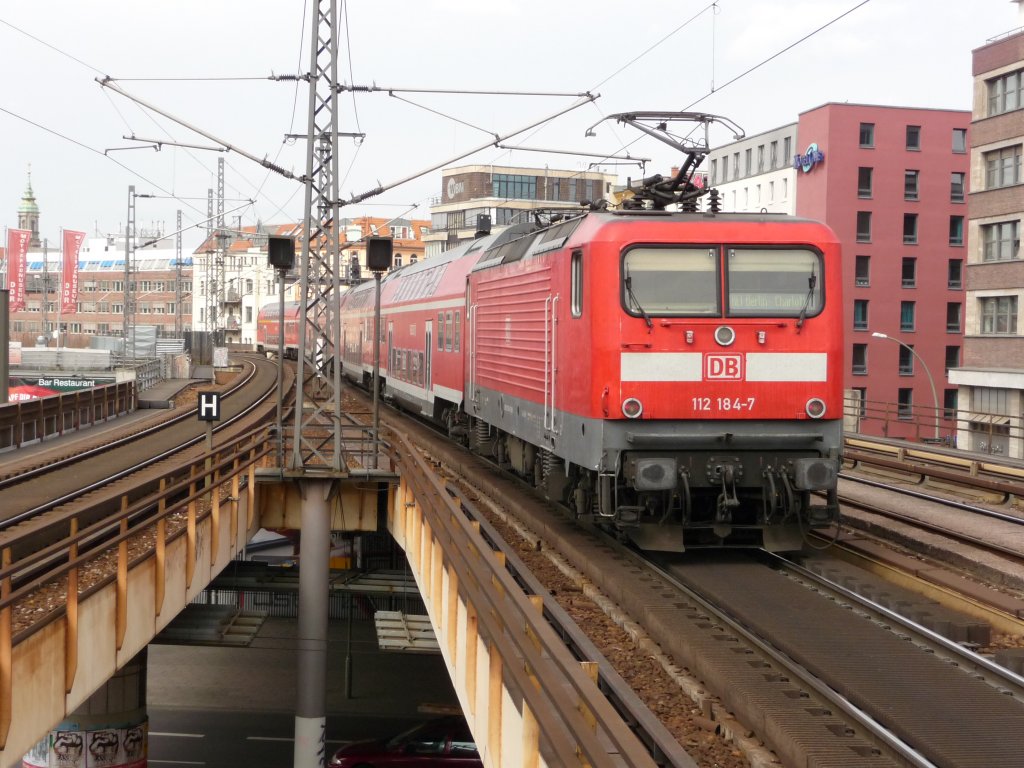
508 620
876 730
917 522
664 748
984 511
972 663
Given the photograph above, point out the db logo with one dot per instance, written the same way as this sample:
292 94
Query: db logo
723 367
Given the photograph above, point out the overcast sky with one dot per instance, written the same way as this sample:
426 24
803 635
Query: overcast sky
650 55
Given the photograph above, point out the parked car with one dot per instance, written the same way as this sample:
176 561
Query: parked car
445 742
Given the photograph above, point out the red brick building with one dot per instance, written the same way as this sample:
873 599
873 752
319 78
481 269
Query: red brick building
893 185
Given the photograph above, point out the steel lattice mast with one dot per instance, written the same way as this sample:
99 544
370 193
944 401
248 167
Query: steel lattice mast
317 440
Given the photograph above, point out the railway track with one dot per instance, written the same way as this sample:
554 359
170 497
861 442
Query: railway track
60 481
70 503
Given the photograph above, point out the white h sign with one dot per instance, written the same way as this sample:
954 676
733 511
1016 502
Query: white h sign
209 406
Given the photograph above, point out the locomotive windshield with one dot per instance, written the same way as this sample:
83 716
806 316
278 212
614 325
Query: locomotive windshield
671 281
774 282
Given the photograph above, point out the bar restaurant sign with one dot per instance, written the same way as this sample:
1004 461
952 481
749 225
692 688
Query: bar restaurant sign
22 388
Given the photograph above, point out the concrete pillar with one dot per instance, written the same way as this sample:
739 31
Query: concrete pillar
311 670
109 729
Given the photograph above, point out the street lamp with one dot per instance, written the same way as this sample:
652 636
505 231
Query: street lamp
931 381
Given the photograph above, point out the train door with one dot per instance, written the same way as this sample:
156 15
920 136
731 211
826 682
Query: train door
428 352
392 366
550 365
470 342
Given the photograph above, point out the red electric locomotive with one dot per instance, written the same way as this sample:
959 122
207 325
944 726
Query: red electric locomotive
677 375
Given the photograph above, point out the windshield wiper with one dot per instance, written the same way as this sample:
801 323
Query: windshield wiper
633 299
812 281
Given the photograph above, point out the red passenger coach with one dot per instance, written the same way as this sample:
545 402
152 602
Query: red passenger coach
422 311
268 328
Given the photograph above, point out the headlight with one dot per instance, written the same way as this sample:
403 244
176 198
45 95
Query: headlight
815 407
725 335
632 408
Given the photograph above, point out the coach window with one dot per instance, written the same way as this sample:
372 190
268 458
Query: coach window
458 329
775 282
670 281
577 283
440 331
449 330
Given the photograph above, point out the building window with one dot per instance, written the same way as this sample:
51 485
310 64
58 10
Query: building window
1002 167
555 188
905 403
953 317
735 165
910 179
1005 93
864 176
907 315
773 154
952 358
572 190
725 168
863 226
867 134
860 359
999 314
908 276
506 186
787 148
960 140
957 185
1001 241
714 172
455 220
956 230
747 155
955 274
860 315
949 404
863 270
760 158
913 137
910 228
906 364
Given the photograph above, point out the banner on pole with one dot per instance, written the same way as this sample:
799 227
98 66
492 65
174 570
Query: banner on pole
17 260
69 270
